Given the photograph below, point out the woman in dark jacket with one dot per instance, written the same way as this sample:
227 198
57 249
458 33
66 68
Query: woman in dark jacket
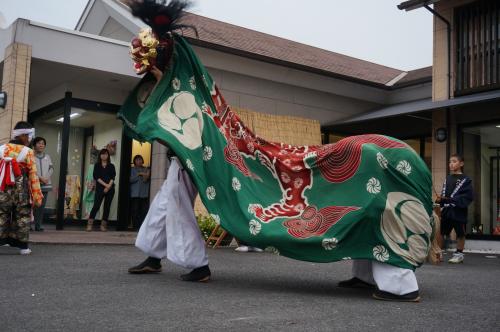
104 175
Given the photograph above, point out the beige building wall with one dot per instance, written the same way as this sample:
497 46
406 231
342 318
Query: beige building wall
440 88
15 82
440 54
439 162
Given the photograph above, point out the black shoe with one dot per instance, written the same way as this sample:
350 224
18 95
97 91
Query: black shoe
201 274
355 283
150 265
386 296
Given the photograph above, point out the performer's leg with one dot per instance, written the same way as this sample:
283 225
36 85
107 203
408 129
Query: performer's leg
362 275
5 214
186 246
395 283
21 228
152 236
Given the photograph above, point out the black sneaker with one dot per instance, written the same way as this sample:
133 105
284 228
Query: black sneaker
355 283
201 274
386 296
150 265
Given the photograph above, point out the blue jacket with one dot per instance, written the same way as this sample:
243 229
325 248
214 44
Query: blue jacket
456 198
138 187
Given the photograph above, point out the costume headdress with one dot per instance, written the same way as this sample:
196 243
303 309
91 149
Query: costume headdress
153 46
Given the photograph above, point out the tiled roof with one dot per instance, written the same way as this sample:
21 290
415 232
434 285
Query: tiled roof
272 48
415 76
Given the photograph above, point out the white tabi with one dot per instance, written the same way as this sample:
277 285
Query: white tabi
170 229
388 278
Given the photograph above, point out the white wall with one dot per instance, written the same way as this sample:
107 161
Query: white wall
415 92
272 97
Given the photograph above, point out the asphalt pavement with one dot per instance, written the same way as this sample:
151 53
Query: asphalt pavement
87 288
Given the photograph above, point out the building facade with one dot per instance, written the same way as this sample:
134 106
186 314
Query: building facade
466 67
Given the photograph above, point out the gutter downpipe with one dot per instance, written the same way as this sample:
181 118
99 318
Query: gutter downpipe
448 35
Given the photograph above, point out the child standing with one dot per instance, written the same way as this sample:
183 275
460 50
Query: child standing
455 197
19 188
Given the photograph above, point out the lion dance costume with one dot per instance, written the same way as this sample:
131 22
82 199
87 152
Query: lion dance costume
366 198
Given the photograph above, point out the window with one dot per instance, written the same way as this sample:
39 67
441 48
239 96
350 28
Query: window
477 47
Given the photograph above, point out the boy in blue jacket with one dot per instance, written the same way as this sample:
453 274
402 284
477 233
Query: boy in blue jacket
456 195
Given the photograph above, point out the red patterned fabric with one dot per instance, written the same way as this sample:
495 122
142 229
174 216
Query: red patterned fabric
9 171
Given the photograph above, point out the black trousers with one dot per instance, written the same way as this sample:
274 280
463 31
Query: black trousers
99 197
138 210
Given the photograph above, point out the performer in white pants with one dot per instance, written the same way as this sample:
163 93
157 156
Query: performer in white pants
170 229
392 282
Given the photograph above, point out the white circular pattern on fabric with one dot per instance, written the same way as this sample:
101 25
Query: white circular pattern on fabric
373 186
207 153
273 250
380 253
382 161
210 193
285 177
250 147
192 83
216 218
346 258
254 227
176 84
329 244
404 167
189 164
236 184
298 182
405 224
182 117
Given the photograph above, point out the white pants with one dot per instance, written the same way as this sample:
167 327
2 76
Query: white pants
388 278
170 229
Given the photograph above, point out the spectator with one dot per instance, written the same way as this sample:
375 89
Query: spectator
44 170
139 191
456 196
104 175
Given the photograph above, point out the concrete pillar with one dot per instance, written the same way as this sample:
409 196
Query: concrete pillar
16 82
159 165
439 153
